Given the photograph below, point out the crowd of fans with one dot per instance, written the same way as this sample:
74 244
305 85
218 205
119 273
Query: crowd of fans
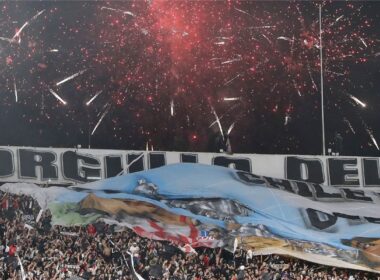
32 249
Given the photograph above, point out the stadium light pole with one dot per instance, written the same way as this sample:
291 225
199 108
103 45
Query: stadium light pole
89 136
321 64
88 128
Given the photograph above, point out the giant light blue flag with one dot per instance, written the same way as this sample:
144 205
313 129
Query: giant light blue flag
212 206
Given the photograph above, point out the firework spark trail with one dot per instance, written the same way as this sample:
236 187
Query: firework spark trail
172 107
132 162
238 58
339 18
311 76
262 27
94 97
285 38
15 89
218 122
373 138
274 86
358 101
287 119
231 98
57 96
242 11
224 38
336 20
296 87
335 73
103 108
266 37
349 125
230 128
231 80
106 111
370 134
118 10
364 43
224 114
292 47
71 77
17 34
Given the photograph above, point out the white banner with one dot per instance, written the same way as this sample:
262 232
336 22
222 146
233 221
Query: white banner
57 166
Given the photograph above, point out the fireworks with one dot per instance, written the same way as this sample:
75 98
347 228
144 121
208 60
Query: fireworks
57 96
118 10
93 98
231 98
171 108
218 122
18 32
258 64
357 101
15 89
70 77
373 139
105 112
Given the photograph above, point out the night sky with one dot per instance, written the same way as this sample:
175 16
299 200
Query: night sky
162 73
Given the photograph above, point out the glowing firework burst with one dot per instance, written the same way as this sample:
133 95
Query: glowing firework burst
251 69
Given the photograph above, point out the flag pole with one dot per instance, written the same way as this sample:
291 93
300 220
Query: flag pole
321 64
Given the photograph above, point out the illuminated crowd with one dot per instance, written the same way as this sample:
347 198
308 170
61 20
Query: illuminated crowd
32 249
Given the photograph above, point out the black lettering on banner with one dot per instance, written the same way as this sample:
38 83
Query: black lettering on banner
280 184
79 167
303 189
190 158
371 172
243 164
249 178
373 220
320 220
135 162
346 216
343 172
7 167
156 159
356 195
321 194
113 166
30 160
313 169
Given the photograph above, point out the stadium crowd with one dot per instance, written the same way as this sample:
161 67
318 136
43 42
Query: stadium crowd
32 249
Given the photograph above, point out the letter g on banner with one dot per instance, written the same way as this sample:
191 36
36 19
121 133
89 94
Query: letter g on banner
80 168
